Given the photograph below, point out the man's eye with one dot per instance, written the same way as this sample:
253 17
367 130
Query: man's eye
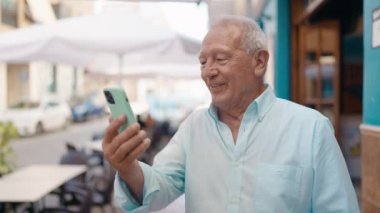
221 60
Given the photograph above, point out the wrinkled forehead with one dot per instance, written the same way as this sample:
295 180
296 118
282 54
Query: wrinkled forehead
223 35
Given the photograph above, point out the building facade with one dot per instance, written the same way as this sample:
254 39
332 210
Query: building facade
37 79
326 56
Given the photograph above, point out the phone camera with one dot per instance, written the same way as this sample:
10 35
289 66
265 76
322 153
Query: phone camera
109 97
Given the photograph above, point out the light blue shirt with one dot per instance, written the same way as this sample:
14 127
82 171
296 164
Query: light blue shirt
286 159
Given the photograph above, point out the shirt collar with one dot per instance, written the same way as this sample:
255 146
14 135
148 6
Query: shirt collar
260 106
265 102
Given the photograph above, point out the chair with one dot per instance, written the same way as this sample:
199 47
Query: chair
83 203
93 159
100 185
103 188
67 193
76 158
2 206
79 156
70 146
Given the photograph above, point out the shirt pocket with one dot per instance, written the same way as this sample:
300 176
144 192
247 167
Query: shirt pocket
277 188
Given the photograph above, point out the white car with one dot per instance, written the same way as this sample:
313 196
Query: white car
33 118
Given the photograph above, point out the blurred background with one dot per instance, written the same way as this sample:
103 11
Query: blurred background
56 56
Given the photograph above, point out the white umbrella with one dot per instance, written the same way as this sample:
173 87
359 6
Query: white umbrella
82 41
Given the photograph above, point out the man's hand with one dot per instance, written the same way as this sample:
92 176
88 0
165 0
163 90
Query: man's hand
122 150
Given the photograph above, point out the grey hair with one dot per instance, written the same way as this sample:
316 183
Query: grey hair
253 37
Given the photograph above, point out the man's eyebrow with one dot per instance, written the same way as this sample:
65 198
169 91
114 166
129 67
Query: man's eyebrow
202 54
222 50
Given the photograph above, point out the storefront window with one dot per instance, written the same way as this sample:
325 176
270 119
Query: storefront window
311 66
9 12
327 61
53 83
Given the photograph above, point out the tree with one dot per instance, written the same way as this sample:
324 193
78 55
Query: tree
7 132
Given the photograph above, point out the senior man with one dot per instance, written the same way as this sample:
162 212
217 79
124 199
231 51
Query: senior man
248 152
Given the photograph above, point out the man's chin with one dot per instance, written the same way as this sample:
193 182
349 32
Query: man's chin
217 102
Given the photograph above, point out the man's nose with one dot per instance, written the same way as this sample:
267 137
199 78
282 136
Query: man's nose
209 70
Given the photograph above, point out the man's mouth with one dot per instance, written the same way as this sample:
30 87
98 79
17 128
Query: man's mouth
216 85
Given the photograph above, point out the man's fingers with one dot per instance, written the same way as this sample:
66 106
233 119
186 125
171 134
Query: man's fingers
125 148
112 128
127 134
136 152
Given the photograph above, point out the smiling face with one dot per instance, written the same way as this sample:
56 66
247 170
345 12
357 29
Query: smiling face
229 72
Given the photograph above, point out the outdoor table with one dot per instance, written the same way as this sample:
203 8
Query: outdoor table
30 184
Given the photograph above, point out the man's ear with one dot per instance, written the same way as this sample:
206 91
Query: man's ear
260 60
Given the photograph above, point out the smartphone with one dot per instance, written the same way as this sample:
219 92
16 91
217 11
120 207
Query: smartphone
118 103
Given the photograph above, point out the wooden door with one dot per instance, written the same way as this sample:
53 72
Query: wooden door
318 65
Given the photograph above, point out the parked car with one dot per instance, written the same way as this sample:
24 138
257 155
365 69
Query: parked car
89 106
36 117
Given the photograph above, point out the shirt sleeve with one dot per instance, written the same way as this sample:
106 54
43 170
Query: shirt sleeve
163 182
125 199
332 187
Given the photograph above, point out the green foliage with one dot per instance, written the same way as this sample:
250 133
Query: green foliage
7 132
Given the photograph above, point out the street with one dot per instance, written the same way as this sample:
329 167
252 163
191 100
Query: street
49 147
